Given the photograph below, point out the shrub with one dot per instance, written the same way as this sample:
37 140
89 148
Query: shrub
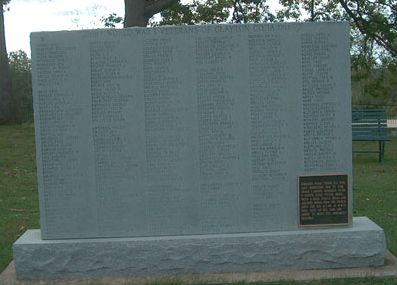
21 72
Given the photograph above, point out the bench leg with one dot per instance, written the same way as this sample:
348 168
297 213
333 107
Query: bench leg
381 150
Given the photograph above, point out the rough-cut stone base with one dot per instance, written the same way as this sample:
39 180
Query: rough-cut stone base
359 246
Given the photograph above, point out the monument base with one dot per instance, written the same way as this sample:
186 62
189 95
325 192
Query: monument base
361 245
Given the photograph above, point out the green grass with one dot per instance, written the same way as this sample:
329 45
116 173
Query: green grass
375 188
18 187
375 194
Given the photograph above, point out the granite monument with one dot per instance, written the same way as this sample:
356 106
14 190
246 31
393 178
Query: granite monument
194 149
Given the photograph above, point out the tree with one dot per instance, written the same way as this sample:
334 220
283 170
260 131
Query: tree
375 19
374 52
138 12
21 73
7 103
197 12
216 11
173 12
373 22
211 11
112 20
374 41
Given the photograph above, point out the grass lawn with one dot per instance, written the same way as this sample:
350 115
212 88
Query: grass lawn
18 188
375 194
375 189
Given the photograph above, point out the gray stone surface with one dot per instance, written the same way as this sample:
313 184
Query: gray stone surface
359 246
389 269
187 130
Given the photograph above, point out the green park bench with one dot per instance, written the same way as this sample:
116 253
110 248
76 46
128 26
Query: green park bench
370 125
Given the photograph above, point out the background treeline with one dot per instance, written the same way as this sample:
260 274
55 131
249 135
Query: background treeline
21 74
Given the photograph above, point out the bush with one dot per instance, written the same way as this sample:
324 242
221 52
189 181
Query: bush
21 72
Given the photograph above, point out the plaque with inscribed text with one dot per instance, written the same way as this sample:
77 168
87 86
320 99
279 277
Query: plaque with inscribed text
323 200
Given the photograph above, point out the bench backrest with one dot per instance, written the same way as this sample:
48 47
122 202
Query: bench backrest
369 124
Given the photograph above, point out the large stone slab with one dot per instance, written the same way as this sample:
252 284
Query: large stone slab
359 246
389 269
187 130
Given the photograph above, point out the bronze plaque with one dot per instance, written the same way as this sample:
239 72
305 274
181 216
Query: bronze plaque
323 200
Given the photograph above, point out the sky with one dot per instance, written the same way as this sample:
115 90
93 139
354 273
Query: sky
25 16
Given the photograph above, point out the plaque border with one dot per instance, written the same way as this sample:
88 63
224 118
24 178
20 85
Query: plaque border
349 203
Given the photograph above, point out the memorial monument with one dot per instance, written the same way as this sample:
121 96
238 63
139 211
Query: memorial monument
194 149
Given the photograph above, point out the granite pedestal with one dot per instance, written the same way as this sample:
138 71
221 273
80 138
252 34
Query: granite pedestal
361 245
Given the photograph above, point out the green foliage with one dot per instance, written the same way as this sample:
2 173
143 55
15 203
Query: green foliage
214 12
376 20
112 21
21 72
251 11
207 12
374 55
373 38
374 85
309 10
373 22
197 12
177 14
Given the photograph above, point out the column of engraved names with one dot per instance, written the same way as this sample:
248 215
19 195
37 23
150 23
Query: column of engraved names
112 163
318 102
218 136
167 156
268 127
58 126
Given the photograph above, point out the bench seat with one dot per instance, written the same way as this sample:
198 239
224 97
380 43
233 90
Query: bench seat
370 125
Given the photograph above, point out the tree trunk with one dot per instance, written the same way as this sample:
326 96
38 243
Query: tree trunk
138 12
7 103
135 13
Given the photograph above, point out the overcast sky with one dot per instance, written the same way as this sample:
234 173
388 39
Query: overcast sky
26 16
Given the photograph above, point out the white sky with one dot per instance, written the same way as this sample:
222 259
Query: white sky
26 16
